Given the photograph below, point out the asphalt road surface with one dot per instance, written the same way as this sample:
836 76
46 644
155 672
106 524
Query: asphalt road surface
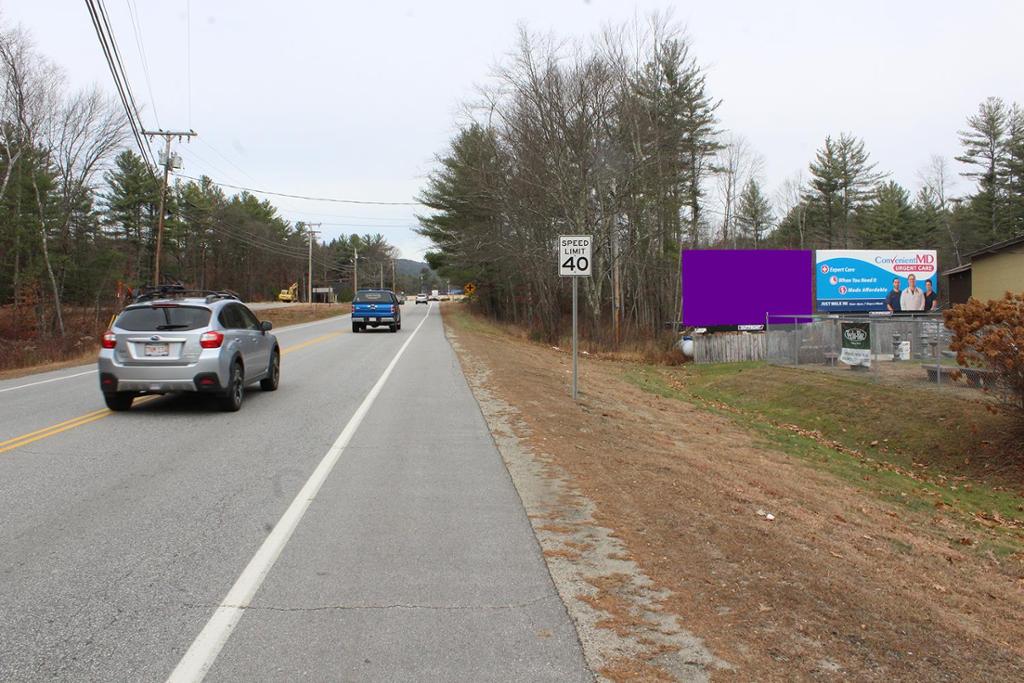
357 524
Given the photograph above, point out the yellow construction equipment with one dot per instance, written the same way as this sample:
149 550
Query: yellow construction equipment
291 294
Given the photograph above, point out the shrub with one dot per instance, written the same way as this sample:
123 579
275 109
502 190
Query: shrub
990 335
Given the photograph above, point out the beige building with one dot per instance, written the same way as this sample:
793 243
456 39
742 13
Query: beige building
992 271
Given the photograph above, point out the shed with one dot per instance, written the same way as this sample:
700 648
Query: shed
991 272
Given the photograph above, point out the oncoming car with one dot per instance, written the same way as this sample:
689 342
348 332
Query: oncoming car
181 340
421 298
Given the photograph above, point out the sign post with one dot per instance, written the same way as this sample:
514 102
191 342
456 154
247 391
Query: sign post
574 261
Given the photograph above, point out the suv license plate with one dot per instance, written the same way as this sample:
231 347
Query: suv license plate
156 350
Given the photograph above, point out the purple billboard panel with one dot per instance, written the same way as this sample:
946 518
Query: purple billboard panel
728 287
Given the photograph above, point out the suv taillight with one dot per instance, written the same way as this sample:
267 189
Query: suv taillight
211 340
108 340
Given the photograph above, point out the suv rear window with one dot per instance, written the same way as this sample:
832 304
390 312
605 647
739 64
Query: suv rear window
149 318
372 297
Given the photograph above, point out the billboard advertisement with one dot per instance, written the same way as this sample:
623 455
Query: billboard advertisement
862 280
738 287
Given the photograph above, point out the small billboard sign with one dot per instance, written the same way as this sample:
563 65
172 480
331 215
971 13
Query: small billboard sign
856 343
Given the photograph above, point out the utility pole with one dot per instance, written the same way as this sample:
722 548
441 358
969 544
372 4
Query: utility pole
382 275
168 160
309 284
394 282
355 272
616 287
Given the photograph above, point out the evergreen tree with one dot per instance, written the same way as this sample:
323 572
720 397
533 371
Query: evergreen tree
754 213
890 221
131 203
842 179
1012 172
983 143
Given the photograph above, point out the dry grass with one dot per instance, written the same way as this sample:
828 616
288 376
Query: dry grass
853 578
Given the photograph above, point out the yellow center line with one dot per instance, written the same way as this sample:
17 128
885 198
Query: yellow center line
46 432
59 424
314 340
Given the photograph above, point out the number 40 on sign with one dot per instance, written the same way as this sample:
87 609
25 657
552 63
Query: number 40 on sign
574 255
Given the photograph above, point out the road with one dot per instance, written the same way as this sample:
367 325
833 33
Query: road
174 538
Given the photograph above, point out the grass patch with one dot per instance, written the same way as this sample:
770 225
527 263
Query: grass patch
919 448
302 313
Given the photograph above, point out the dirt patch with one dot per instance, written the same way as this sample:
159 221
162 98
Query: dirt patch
753 557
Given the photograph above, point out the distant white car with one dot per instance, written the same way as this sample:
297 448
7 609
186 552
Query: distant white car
422 299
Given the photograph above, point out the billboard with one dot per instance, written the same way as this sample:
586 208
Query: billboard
859 280
738 287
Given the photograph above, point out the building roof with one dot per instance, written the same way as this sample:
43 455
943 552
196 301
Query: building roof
959 269
998 246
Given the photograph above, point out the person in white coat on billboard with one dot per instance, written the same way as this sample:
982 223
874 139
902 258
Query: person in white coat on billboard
912 298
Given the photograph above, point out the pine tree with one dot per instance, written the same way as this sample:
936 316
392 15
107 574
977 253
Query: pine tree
754 213
1012 172
842 180
984 142
890 221
131 207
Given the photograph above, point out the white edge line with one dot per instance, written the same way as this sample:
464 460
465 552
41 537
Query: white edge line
47 381
203 652
290 328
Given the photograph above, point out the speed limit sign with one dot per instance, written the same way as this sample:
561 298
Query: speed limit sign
574 255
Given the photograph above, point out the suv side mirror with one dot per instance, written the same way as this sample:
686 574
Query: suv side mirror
266 326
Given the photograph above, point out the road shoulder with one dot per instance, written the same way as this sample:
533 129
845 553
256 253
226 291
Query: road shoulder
616 607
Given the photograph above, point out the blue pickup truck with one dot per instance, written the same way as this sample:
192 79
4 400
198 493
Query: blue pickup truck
376 308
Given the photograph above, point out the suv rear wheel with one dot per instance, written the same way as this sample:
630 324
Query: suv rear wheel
122 400
231 401
273 377
355 327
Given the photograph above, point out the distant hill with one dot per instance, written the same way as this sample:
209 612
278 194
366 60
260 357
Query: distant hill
408 267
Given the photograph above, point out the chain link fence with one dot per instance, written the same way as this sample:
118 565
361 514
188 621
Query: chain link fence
899 344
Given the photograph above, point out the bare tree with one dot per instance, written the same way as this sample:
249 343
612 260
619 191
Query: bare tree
936 181
69 137
789 202
736 164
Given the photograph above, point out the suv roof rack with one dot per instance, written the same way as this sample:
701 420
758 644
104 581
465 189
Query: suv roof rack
180 292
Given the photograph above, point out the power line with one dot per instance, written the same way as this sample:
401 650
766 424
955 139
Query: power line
188 56
107 44
133 13
225 158
305 197
120 64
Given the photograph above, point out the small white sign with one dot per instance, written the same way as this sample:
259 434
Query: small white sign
574 255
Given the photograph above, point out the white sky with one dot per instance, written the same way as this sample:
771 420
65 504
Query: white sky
354 99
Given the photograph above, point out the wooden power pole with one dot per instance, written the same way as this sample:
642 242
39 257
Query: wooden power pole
309 283
168 162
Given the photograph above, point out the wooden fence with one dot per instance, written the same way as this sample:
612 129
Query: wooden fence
814 343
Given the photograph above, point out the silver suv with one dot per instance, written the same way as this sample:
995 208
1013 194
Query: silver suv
179 340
